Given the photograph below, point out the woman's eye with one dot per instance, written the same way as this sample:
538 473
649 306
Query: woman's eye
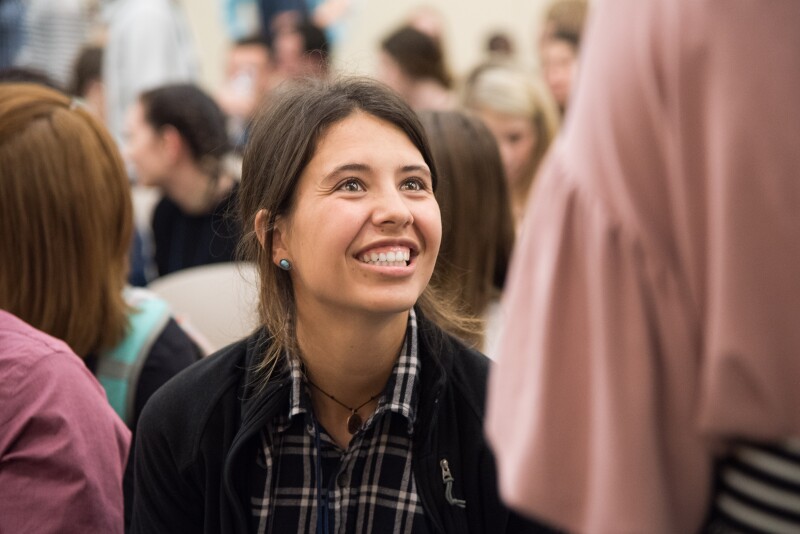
351 186
413 184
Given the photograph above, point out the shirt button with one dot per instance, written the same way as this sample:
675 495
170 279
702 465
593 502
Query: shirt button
343 480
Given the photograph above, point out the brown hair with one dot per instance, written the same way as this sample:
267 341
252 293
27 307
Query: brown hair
66 219
418 55
477 227
283 140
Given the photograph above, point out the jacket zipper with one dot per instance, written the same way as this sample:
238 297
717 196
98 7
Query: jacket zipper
447 479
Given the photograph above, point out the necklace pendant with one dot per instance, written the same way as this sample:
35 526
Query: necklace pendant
354 423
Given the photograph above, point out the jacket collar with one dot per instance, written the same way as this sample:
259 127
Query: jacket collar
260 404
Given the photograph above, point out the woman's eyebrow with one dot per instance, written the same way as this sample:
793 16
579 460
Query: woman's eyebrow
347 167
416 168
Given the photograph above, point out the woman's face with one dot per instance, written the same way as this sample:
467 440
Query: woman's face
144 148
365 228
516 138
559 64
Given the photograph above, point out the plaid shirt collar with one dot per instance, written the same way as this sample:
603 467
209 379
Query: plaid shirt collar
400 395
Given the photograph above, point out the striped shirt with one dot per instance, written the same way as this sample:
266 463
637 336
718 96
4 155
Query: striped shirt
304 479
758 490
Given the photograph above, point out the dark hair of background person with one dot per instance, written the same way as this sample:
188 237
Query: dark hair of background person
500 43
66 219
26 75
283 141
569 37
314 39
477 226
257 40
253 40
417 54
88 68
196 117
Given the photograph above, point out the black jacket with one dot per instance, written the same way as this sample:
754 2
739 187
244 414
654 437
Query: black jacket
198 437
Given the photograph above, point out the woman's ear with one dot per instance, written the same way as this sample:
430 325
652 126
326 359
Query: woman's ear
260 226
280 249
172 143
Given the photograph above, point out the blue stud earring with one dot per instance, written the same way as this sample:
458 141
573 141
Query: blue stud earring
285 264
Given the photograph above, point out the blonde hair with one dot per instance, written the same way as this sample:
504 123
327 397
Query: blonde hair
66 219
504 89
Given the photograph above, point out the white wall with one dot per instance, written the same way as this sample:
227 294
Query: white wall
468 22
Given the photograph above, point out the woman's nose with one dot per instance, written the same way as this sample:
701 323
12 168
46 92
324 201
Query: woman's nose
392 209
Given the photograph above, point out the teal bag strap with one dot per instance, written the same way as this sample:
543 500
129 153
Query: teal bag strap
118 369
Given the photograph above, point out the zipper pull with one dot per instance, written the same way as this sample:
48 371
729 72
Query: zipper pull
447 479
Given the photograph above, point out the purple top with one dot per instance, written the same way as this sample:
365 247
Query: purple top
62 447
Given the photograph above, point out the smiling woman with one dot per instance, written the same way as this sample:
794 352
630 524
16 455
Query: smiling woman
352 395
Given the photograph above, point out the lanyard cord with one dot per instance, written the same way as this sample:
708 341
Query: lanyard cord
322 504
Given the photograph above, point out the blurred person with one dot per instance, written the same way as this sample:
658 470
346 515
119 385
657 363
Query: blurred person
87 85
87 80
67 212
350 409
475 250
12 31
249 76
560 62
653 297
26 75
428 20
500 46
149 44
176 141
281 15
62 449
55 31
522 118
301 50
567 16
412 64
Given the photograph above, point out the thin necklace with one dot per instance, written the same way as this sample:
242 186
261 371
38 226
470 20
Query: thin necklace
354 422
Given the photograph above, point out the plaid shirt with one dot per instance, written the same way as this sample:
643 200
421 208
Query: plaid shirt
368 488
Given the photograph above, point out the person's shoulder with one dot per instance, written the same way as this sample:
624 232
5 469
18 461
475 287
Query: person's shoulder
466 369
186 402
23 349
470 372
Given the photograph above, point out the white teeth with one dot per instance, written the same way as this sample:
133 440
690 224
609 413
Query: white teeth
391 258
387 263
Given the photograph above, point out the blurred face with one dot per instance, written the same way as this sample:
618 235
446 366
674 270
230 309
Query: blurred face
559 63
516 138
390 73
252 61
144 149
289 47
365 229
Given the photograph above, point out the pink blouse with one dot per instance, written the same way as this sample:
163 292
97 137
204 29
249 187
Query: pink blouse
653 306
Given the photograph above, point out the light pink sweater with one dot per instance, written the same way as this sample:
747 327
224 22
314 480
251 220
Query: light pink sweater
653 305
